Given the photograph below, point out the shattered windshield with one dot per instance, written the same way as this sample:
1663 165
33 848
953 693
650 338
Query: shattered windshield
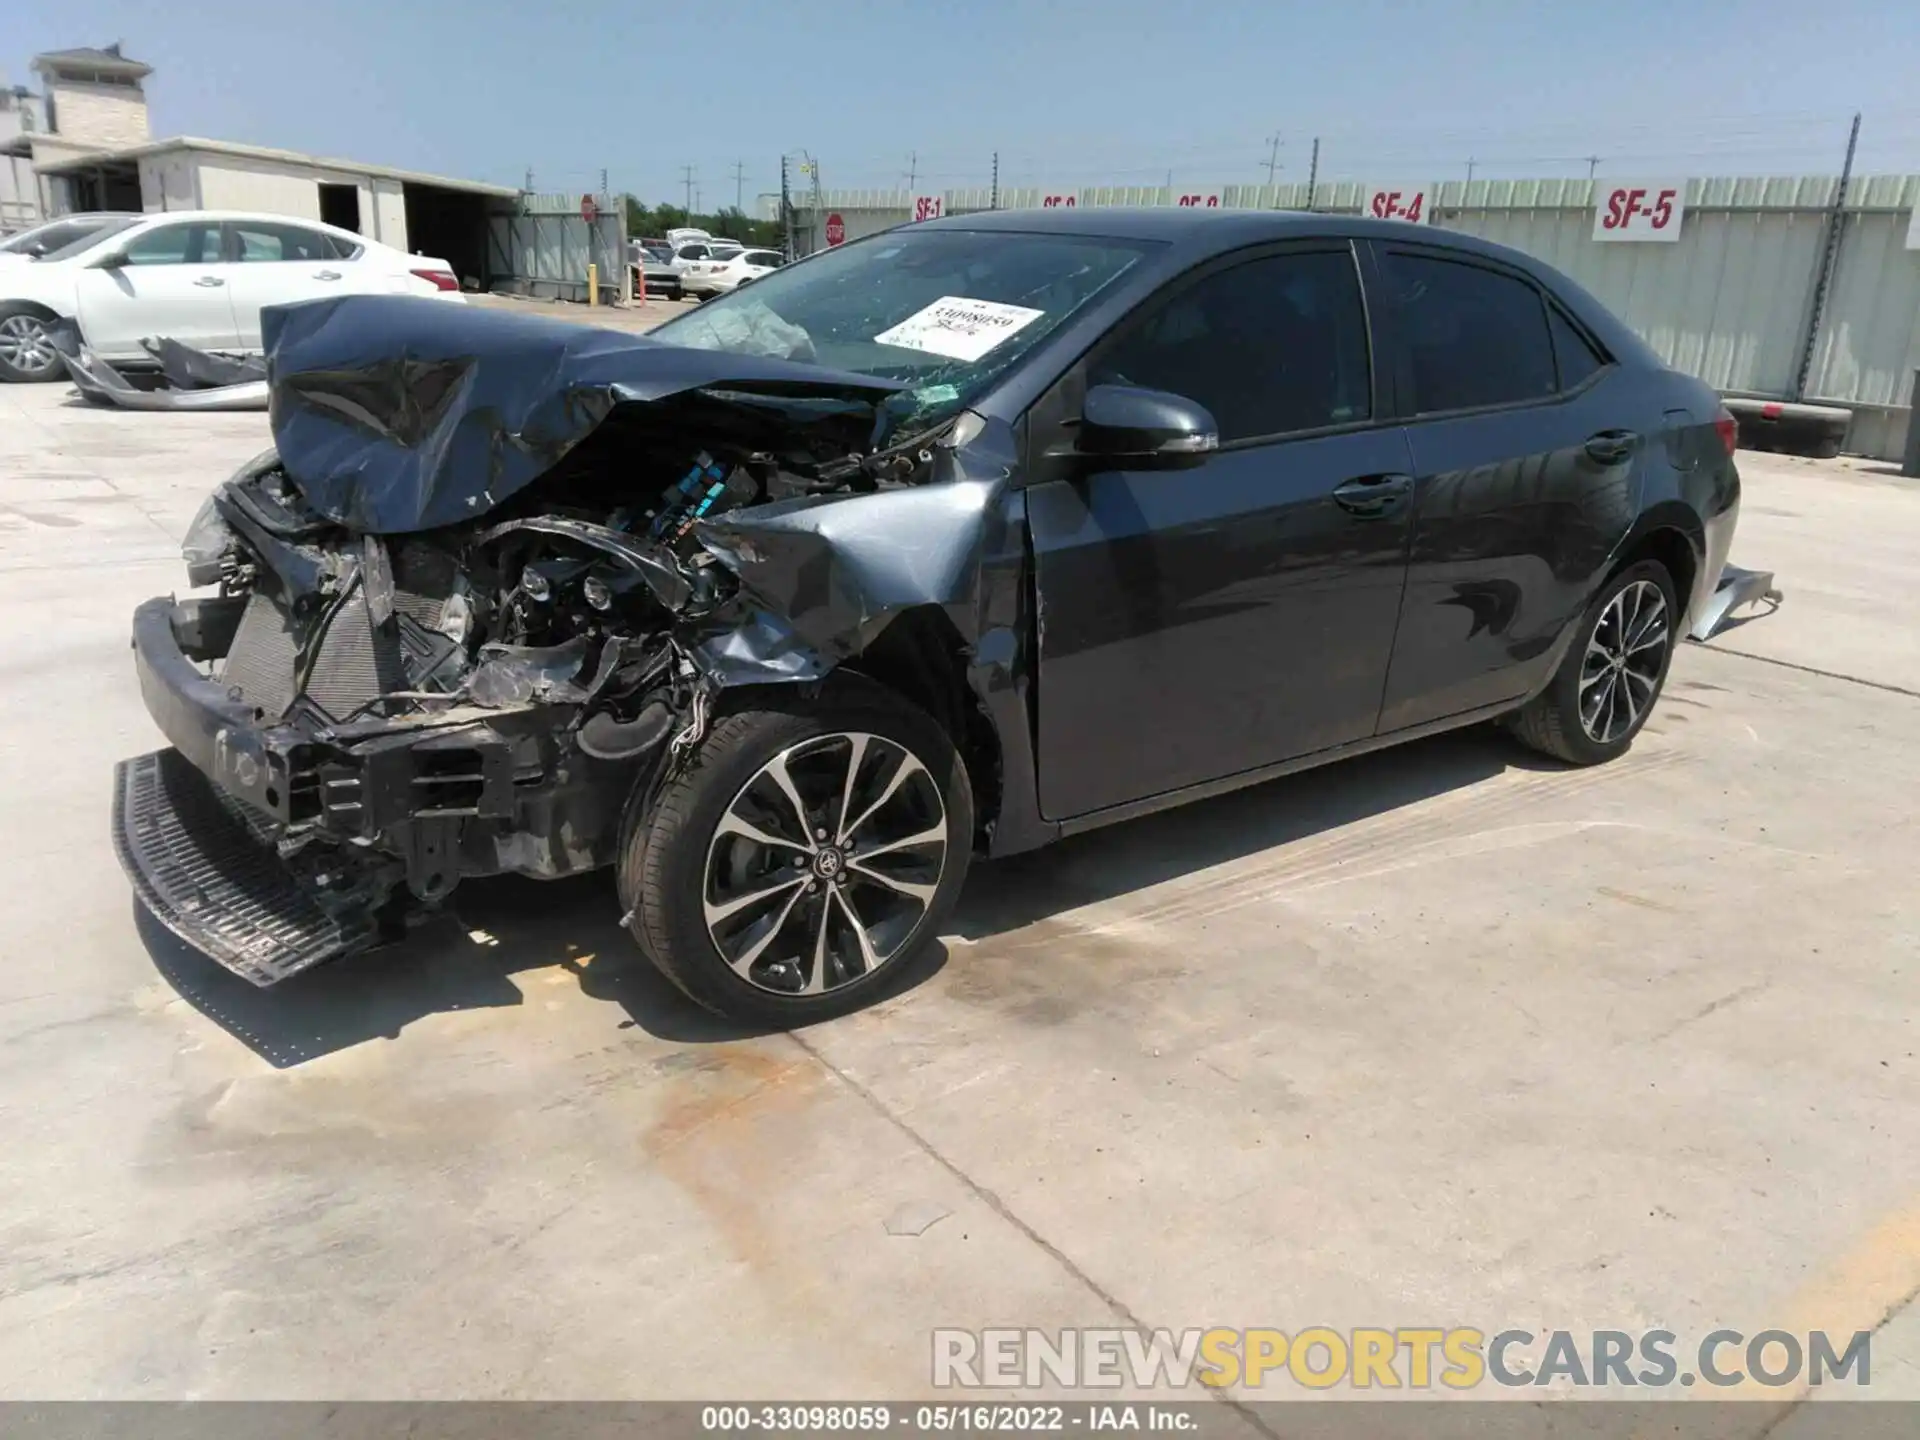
943 310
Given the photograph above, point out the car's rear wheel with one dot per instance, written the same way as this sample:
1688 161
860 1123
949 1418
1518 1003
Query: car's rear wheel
1606 687
27 352
803 857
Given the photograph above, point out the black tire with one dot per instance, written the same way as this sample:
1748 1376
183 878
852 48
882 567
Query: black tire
1554 721
678 858
23 331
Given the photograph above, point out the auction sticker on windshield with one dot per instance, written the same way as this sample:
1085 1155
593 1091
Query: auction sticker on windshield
958 328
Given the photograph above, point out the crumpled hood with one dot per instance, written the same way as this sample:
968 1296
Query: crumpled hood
394 414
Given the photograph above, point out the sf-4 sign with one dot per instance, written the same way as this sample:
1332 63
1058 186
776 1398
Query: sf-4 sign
1398 202
1638 209
1201 202
1059 202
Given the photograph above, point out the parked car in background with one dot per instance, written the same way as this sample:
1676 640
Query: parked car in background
1011 526
655 271
43 240
729 272
693 252
686 235
198 276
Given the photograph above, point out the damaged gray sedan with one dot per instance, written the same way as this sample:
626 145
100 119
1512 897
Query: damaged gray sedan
943 544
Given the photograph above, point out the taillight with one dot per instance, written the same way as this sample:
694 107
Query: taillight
439 279
1729 430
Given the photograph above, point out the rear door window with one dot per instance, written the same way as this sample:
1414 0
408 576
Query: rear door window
1471 336
1271 347
268 242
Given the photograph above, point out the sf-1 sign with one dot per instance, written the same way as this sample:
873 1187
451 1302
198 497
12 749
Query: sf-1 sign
1398 202
928 207
1639 209
1059 202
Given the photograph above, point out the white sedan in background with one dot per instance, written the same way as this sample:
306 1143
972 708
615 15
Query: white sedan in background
716 277
196 276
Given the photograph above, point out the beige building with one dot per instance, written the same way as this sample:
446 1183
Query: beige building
85 143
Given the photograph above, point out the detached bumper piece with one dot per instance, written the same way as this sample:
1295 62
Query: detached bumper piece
194 379
1737 587
218 884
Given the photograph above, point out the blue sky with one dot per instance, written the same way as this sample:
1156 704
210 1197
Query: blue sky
1069 93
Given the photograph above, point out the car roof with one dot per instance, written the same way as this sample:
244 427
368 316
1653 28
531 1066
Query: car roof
1197 228
1192 235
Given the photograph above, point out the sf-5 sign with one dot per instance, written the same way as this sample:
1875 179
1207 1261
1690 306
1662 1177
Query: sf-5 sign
1639 210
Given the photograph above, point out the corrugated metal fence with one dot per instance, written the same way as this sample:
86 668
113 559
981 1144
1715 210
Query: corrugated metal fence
1729 300
547 255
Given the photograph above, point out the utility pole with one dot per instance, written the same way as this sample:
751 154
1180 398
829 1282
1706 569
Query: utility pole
1593 163
528 187
739 184
1469 170
1273 158
786 210
913 170
1313 172
1829 250
686 179
994 202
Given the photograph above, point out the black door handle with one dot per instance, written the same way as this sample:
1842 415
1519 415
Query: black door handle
1610 447
1372 497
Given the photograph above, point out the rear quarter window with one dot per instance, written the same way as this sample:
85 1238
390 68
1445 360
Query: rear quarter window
1575 356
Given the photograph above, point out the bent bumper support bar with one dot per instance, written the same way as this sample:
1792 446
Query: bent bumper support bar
1737 587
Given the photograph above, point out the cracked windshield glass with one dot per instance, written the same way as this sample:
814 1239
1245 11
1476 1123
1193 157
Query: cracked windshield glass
944 311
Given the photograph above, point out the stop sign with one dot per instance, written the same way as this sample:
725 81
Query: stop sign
588 210
836 229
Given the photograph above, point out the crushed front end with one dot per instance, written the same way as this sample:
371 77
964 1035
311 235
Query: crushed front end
358 723
413 663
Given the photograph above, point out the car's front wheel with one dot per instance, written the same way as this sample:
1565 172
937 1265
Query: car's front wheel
805 855
1605 688
27 352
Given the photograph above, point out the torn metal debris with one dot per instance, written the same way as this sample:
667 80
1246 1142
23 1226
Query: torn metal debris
191 379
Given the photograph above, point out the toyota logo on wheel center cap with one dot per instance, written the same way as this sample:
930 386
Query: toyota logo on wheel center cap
828 862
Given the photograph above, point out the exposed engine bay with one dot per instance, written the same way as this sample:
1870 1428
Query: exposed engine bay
394 704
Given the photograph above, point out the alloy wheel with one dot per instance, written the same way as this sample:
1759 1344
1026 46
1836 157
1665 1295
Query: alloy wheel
1622 665
25 344
824 863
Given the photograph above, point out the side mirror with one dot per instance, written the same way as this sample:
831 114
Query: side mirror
1148 429
112 260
